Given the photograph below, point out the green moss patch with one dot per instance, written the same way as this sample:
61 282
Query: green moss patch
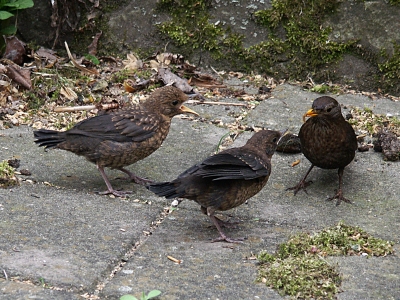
7 176
304 44
298 267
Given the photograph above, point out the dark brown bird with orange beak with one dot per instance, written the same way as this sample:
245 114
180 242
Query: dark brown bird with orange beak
121 138
327 140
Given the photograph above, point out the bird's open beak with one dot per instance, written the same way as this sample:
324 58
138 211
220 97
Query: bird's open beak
310 113
188 110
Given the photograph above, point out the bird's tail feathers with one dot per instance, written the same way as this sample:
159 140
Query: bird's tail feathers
163 189
48 138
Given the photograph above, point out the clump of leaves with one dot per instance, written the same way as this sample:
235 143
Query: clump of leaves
8 9
7 175
366 121
150 295
299 269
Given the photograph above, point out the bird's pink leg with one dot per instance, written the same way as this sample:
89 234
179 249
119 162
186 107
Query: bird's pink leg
223 237
109 187
135 178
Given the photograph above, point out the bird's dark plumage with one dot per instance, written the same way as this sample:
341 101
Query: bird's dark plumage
327 141
227 179
121 138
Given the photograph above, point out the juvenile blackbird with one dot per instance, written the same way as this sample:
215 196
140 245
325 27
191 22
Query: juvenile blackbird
327 140
225 180
118 139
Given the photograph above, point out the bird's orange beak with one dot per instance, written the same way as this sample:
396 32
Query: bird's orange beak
185 109
310 113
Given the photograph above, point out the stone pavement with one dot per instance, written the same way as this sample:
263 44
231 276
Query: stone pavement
55 229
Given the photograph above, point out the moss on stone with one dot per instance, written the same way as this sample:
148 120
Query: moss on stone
298 267
390 69
304 47
7 175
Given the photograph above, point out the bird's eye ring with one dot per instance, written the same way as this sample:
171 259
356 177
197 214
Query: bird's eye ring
175 102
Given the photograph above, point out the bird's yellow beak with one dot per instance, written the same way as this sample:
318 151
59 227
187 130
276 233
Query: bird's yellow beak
310 113
188 110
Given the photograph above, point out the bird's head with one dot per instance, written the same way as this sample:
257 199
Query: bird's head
324 106
168 101
265 140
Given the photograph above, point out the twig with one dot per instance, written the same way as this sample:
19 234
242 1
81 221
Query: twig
215 103
76 64
86 107
5 274
174 259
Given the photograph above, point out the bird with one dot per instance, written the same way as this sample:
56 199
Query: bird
328 141
120 138
225 180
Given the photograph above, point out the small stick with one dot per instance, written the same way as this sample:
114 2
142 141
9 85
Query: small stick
85 107
215 103
5 274
174 259
75 63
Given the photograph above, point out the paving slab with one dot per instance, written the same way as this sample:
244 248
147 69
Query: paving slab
55 227
65 233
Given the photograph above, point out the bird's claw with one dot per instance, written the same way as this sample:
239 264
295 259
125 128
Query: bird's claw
228 240
121 194
339 196
302 185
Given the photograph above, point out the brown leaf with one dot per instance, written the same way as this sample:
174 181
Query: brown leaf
46 54
92 48
206 81
20 75
15 49
133 62
170 78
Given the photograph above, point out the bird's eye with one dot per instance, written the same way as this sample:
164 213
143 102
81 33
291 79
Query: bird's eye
329 109
175 102
274 140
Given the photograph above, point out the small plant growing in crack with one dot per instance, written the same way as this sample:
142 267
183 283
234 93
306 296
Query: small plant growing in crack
150 295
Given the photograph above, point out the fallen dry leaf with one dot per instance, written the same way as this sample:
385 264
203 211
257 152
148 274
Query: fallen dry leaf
132 62
295 163
19 75
15 50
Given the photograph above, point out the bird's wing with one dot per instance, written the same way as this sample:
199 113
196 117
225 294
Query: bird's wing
119 127
228 166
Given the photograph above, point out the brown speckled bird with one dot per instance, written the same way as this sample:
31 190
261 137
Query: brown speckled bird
121 138
225 180
327 140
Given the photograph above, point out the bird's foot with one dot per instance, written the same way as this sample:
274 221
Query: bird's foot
137 179
121 194
141 181
302 185
339 196
228 240
134 178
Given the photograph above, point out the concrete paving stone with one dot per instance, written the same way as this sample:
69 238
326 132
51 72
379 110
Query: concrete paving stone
208 270
12 290
66 233
84 240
